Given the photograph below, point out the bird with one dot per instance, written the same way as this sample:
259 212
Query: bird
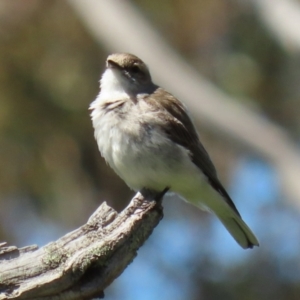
148 138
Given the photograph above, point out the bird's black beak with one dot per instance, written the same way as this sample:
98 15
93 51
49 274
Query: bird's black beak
112 64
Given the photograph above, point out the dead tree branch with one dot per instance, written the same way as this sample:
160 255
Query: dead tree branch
81 264
283 20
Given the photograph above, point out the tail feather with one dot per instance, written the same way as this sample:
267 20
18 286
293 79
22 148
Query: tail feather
216 200
239 230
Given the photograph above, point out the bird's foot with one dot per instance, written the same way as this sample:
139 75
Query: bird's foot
154 195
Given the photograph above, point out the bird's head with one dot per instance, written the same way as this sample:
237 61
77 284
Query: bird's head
128 72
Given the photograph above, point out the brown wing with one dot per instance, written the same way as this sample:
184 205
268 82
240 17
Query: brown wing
180 129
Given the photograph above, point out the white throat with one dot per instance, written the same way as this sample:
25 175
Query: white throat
111 87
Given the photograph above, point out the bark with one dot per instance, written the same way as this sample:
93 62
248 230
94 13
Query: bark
81 264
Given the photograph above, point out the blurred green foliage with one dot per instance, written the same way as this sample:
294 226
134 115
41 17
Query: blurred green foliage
50 69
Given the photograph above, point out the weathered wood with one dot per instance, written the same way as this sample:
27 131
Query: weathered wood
81 264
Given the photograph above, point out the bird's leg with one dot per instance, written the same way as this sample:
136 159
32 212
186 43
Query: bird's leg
151 194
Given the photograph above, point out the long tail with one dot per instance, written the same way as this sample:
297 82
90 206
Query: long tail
215 198
238 229
222 206
228 214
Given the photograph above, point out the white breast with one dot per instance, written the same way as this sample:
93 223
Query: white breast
111 139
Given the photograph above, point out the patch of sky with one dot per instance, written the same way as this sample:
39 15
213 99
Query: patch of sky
160 271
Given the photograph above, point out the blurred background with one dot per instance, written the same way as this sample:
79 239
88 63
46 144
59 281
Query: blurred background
52 176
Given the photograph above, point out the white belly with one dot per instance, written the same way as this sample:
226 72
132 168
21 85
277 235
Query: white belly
141 155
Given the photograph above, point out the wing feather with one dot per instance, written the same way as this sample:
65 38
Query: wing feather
180 129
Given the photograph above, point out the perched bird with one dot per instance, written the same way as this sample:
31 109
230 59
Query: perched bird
146 135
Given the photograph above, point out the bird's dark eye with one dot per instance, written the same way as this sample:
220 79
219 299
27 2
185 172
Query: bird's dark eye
135 69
